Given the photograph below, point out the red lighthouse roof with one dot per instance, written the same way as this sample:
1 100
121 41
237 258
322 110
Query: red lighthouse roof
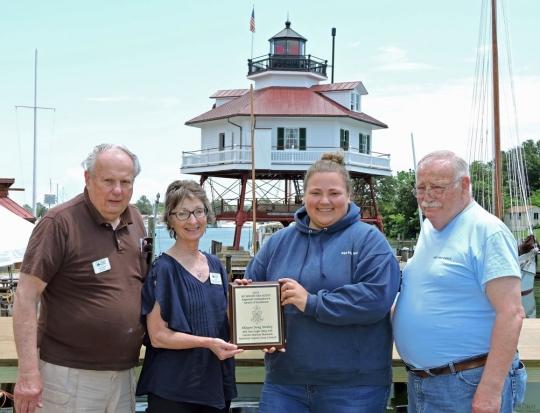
285 101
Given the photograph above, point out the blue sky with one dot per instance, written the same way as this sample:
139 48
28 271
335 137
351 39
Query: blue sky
133 72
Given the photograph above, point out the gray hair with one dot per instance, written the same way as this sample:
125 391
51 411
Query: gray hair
330 162
459 165
89 163
179 190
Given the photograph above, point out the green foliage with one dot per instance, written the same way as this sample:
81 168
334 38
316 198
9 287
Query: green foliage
530 151
399 208
535 198
144 205
41 210
481 176
220 205
397 205
161 208
264 201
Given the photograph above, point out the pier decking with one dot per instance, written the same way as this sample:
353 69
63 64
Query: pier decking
250 365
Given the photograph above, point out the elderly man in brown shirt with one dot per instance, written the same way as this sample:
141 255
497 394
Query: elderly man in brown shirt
85 265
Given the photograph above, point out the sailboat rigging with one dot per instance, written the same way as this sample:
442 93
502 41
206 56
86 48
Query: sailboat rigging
500 182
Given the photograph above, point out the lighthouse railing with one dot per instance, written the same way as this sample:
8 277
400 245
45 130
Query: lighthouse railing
242 155
287 62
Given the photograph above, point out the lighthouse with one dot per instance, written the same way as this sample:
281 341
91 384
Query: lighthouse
297 116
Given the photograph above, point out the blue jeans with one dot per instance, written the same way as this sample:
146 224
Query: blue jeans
449 393
302 398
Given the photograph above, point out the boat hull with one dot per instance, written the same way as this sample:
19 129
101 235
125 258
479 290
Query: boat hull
527 262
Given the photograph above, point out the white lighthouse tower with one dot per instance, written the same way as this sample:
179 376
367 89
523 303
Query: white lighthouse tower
297 117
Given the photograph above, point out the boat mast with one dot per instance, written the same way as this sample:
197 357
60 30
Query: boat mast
35 107
497 167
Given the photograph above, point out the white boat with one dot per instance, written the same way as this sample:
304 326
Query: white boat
264 231
226 224
527 263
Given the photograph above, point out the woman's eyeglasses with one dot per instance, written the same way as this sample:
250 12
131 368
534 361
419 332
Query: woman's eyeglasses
183 215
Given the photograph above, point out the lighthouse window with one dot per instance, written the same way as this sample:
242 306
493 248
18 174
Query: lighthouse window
221 141
293 47
364 143
288 47
280 46
291 138
355 102
344 139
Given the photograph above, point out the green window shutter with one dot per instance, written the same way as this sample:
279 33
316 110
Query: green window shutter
280 138
341 137
302 139
360 149
345 145
368 142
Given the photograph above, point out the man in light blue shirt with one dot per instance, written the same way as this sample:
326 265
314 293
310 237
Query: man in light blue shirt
458 317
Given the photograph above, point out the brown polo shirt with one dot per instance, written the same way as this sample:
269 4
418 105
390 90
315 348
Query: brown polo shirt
88 319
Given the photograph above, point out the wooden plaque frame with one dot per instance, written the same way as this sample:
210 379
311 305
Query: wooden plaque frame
256 315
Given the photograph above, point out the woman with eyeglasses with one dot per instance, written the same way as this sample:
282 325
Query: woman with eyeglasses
189 362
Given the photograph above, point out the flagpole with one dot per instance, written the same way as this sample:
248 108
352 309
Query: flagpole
254 197
252 28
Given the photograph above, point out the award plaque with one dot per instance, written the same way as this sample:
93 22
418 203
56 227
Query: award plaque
256 315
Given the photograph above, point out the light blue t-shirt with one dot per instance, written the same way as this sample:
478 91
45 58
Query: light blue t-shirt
442 313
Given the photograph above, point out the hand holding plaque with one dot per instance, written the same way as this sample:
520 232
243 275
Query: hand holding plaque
256 315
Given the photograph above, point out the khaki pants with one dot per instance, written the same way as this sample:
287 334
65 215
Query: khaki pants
69 390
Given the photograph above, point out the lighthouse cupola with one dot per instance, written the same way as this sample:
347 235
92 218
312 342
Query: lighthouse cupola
288 42
287 64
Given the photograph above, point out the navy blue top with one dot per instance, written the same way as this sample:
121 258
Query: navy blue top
344 335
189 306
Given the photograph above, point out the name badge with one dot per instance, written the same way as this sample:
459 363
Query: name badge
215 278
101 265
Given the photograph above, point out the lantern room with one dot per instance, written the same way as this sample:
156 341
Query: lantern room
287 64
288 42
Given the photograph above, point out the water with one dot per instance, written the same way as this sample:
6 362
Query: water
224 235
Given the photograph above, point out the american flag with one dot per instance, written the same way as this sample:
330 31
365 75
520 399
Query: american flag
252 21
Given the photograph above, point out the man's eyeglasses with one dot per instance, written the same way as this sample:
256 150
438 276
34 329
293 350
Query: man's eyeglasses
436 192
184 215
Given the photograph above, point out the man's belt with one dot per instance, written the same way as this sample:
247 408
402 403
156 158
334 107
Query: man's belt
461 366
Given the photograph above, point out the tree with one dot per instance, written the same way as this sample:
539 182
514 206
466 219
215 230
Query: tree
144 205
531 155
41 210
161 207
535 198
220 206
28 208
397 205
481 182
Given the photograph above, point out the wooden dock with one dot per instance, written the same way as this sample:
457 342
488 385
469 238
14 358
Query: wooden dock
250 364
529 350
